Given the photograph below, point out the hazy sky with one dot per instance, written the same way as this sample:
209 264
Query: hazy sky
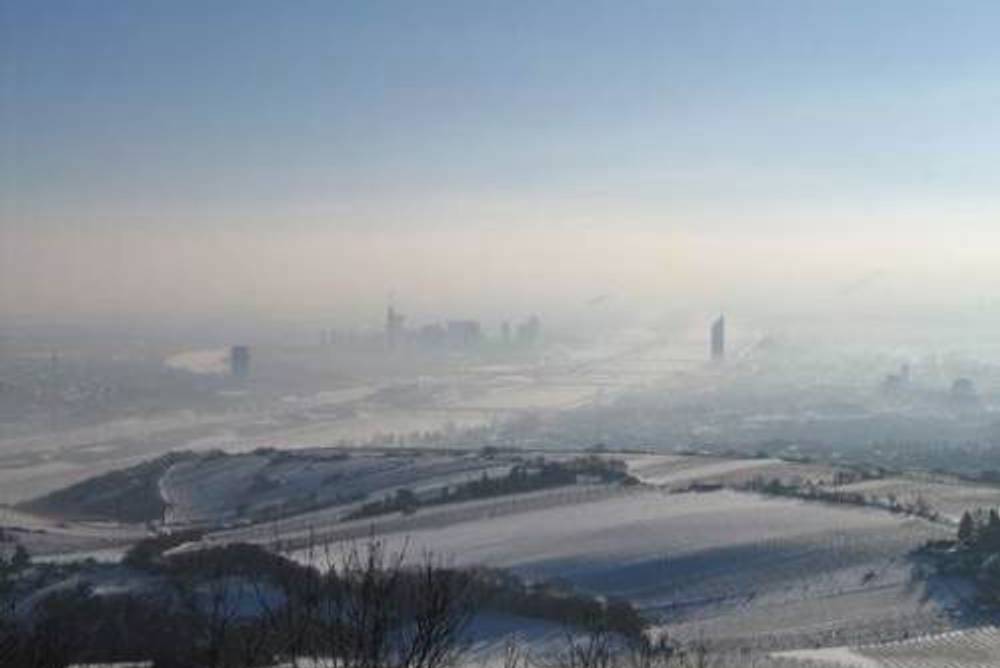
310 157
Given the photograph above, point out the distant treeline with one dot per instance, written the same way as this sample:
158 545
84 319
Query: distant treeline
974 553
918 506
528 477
502 591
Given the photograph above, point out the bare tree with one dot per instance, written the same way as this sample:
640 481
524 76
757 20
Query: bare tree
211 598
599 647
381 612
514 654
648 653
8 601
437 610
595 648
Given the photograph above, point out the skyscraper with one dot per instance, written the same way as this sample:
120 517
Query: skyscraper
393 328
529 331
239 361
719 339
464 333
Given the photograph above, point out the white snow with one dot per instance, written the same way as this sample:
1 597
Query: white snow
726 564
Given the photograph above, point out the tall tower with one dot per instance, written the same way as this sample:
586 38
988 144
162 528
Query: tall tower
719 339
393 327
239 361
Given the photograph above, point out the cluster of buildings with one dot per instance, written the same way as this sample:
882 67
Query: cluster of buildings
455 334
962 392
449 335
467 334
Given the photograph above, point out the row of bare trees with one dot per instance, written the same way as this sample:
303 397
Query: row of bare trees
367 607
241 606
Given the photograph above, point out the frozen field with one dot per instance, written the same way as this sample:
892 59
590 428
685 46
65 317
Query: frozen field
744 570
681 470
222 489
974 648
949 496
735 567
43 536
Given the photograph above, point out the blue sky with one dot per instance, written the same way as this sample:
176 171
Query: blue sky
722 121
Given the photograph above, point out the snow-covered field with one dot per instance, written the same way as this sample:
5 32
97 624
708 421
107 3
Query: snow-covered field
680 470
742 569
949 496
219 490
736 567
973 648
44 536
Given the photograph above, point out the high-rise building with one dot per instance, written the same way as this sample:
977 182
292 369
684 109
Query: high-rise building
464 333
719 339
432 336
239 361
529 331
393 328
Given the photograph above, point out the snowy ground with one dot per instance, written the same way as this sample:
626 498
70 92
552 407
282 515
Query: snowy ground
949 496
679 470
736 567
44 536
220 490
974 648
739 568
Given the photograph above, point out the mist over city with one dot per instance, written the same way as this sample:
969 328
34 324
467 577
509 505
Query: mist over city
521 335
